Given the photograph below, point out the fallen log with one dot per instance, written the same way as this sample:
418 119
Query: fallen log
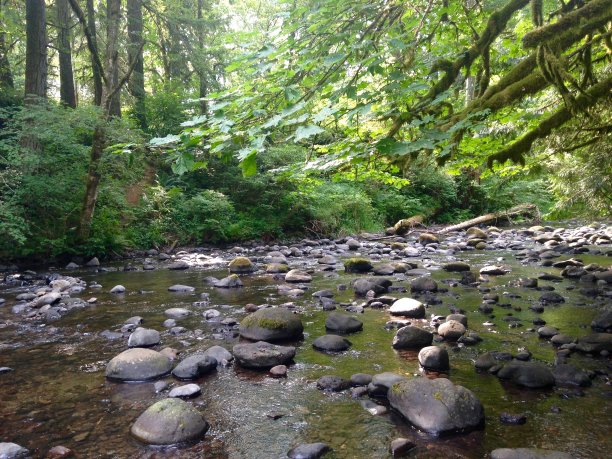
529 210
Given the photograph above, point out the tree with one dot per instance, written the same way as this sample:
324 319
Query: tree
64 46
36 51
113 16
6 75
136 84
96 70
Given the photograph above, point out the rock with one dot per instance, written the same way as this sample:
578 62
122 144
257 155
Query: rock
72 265
357 265
138 364
178 265
177 313
278 371
181 288
561 339
327 260
160 386
408 307
603 322
428 238
423 284
384 269
361 379
220 354
194 366
456 267
342 323
58 452
434 358
451 330
363 285
595 342
605 276
400 447
353 244
13 451
5 370
271 324
566 374
186 391
531 375
297 276
275 268
49 298
382 382
528 453
551 297
231 281
262 355
331 343
494 270
144 337
135 320
485 361
169 421
333 383
437 406
118 289
459 318
241 265
411 337
94 262
475 232
169 323
309 451
547 332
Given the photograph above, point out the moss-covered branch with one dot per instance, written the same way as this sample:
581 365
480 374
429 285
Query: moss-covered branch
590 17
517 150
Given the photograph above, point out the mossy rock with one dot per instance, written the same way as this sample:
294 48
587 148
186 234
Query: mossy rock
168 422
138 364
241 265
357 265
271 324
277 268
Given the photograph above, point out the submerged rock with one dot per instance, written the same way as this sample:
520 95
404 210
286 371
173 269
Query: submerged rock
531 375
333 383
309 451
231 281
331 343
437 406
169 421
262 355
411 337
528 453
271 324
342 323
138 364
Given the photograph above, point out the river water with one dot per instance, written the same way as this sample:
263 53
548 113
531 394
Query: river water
58 395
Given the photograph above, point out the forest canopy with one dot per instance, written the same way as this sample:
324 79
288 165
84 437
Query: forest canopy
434 107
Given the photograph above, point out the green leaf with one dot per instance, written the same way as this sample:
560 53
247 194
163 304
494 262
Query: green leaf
292 94
305 132
391 147
332 59
324 113
183 163
160 141
249 164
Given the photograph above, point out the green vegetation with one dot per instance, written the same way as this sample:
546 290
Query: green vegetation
216 122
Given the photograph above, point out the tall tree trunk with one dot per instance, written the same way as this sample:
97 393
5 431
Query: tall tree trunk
67 91
36 51
113 15
96 71
201 72
6 76
136 85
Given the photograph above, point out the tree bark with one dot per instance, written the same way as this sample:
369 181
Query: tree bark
201 73
6 76
96 70
113 16
67 90
136 84
36 51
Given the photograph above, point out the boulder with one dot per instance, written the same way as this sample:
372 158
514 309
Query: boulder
424 284
178 265
552 298
138 364
451 330
411 337
241 265
494 270
476 233
528 453
177 313
13 451
309 451
357 265
331 343
363 285
271 324
194 366
333 383
531 375
428 238
220 354
456 267
595 342
276 268
382 382
262 355
231 281
408 307
342 323
437 406
603 322
566 374
144 337
485 361
434 358
169 421
297 276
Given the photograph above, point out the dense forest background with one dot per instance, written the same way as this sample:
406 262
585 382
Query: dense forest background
148 123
